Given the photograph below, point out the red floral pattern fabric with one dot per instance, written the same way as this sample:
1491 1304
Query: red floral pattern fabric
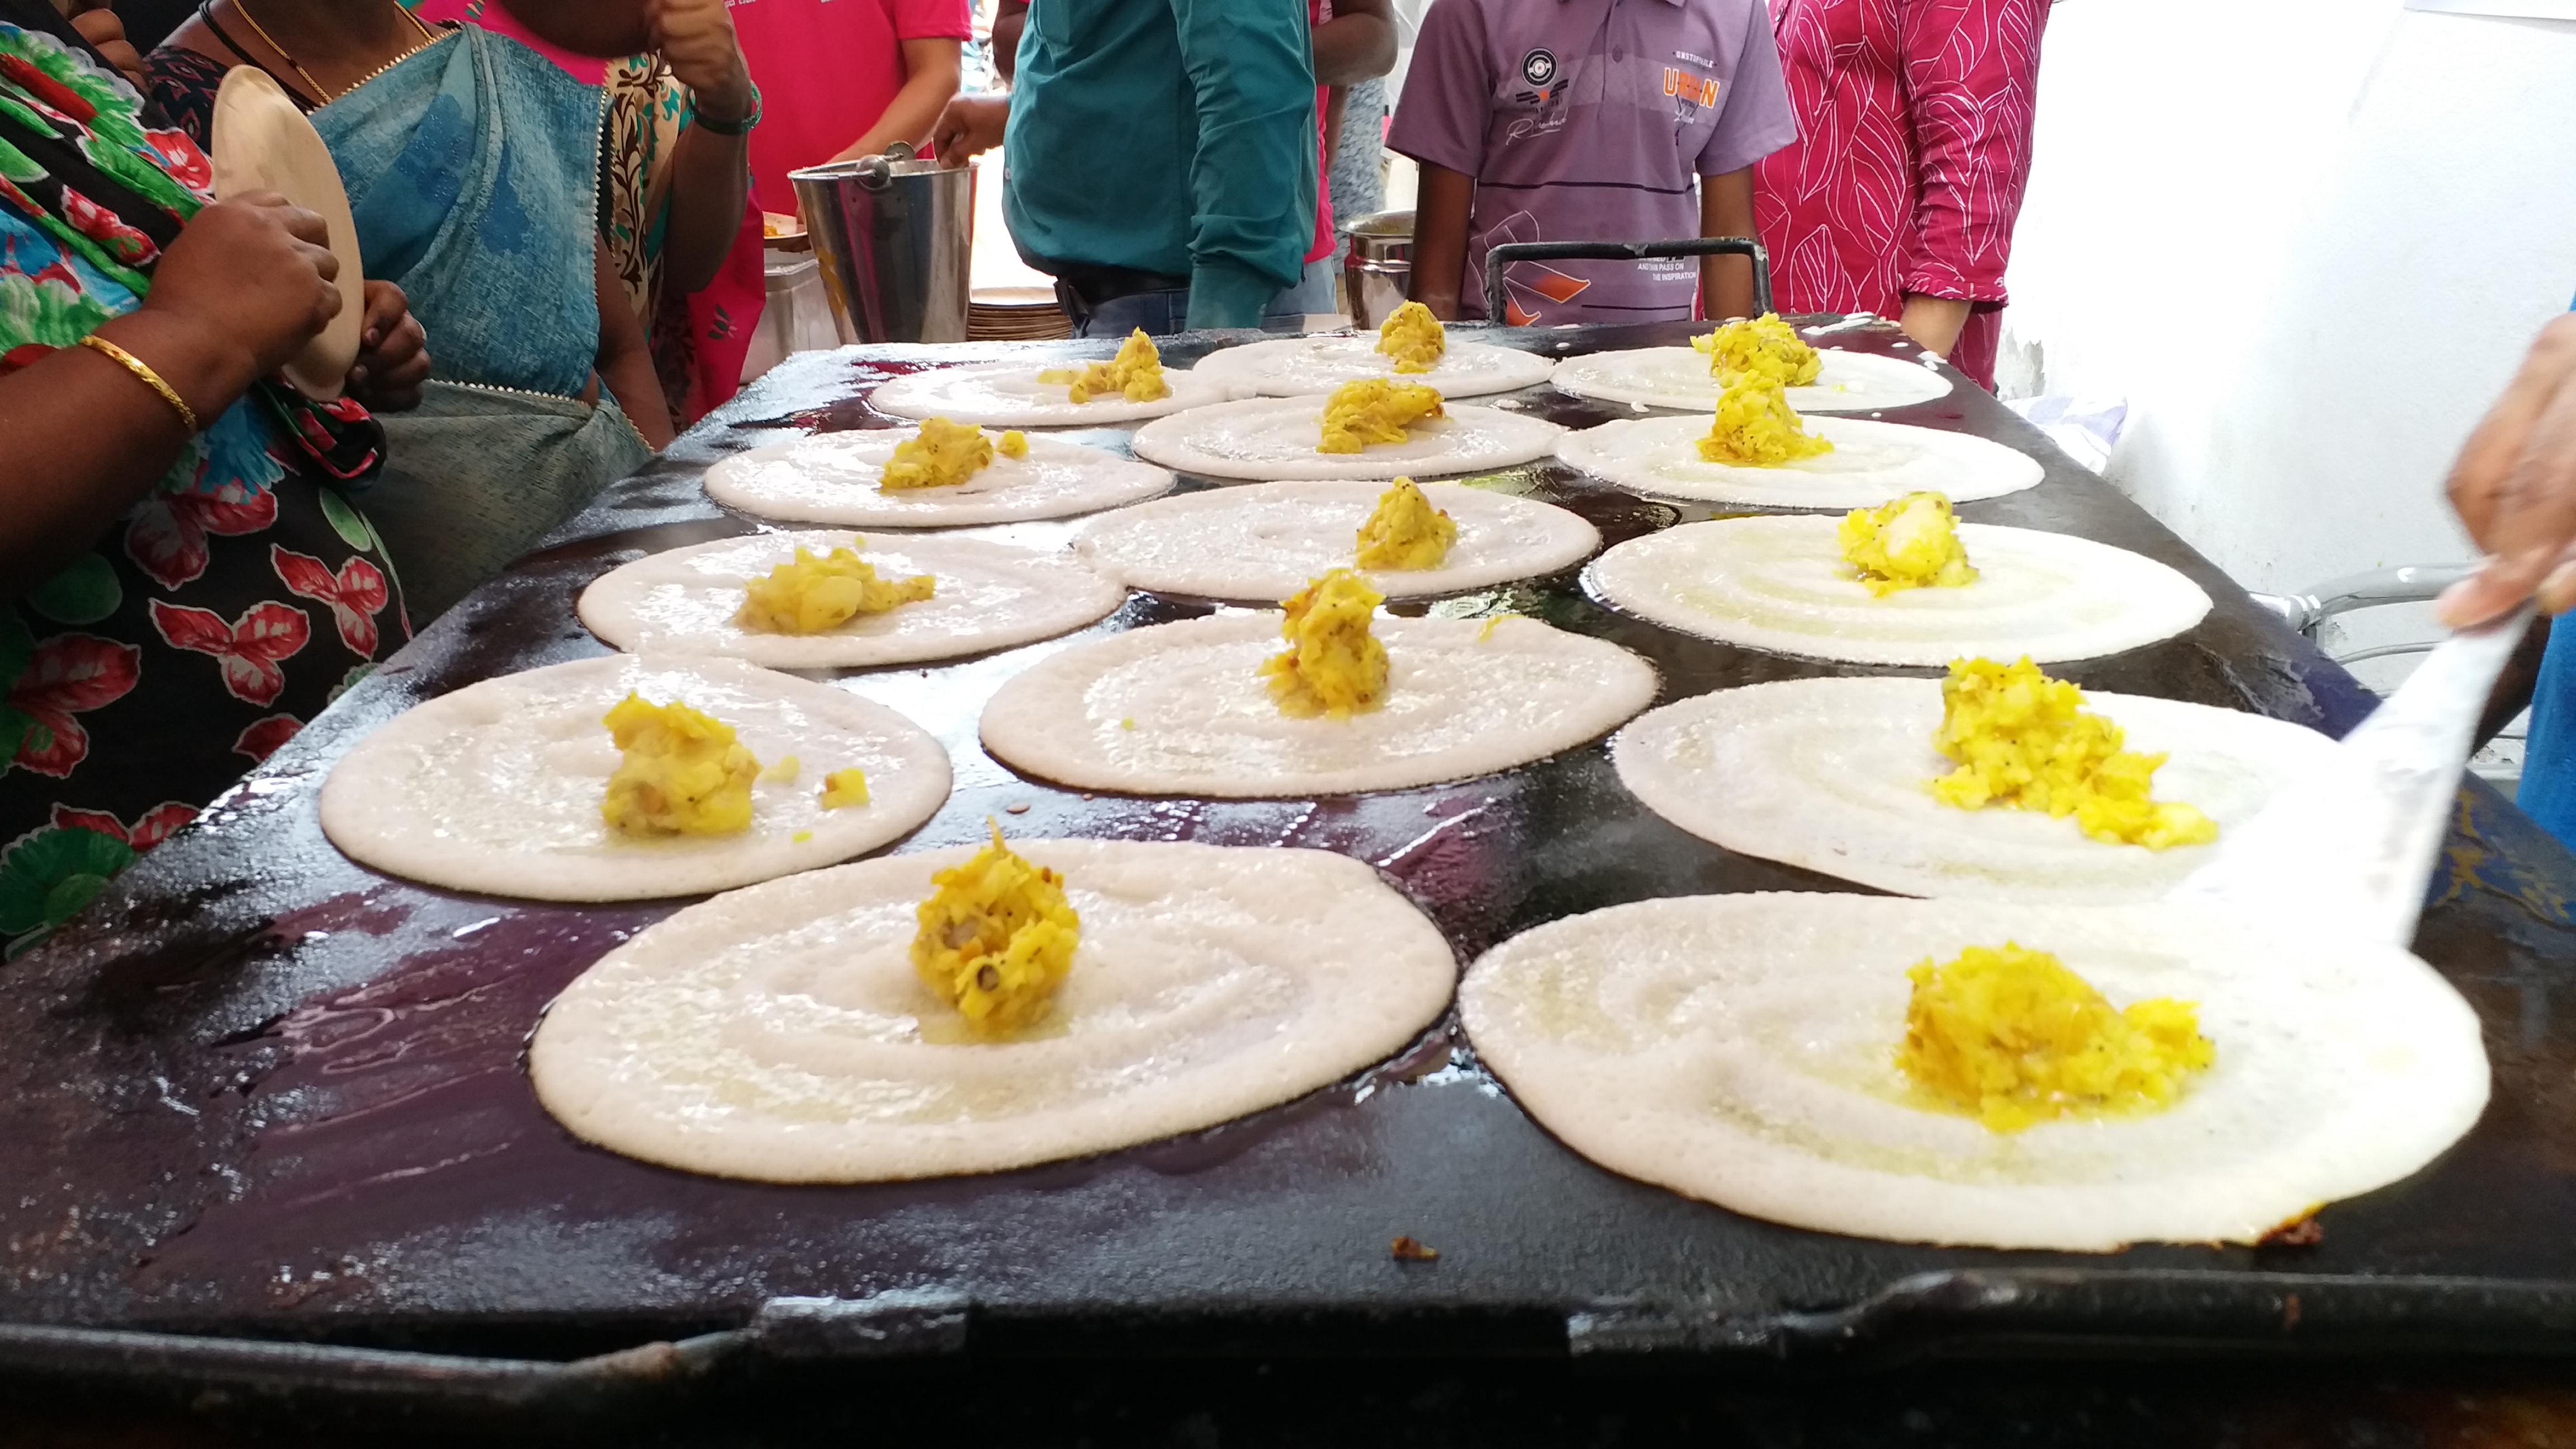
1915 119
230 605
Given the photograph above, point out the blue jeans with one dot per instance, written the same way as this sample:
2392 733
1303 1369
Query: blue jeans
1163 313
1160 313
1314 292
2548 791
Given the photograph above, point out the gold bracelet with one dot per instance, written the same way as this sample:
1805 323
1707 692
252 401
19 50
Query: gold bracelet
149 378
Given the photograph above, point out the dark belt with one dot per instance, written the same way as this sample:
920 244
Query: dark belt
1086 289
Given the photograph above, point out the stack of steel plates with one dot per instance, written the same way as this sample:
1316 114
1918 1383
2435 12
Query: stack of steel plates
1015 314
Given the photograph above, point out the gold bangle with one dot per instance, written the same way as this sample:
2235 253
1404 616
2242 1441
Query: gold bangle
149 378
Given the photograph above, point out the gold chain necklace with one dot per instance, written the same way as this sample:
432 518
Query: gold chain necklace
321 93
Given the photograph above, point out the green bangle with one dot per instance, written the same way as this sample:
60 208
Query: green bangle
740 128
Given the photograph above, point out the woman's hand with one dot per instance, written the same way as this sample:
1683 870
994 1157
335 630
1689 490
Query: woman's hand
393 353
99 26
696 39
969 126
248 283
2515 488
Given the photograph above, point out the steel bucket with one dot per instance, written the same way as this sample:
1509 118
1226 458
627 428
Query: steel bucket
895 236
1378 269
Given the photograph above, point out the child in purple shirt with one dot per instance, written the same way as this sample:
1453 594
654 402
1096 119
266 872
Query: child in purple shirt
1588 120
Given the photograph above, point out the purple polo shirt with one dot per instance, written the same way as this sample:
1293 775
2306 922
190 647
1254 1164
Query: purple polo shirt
1591 120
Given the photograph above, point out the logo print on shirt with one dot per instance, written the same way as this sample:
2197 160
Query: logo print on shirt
1697 90
1539 67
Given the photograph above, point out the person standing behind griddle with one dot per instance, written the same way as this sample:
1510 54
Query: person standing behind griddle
1162 157
1588 121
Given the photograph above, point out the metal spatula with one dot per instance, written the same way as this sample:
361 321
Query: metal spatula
2360 858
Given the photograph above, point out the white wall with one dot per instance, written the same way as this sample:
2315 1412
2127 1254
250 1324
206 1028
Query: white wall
2307 240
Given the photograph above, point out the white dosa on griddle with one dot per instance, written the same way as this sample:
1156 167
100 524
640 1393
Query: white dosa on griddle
1266 540
497 787
1275 437
1678 377
1297 366
1009 395
1871 464
1832 775
779 1033
1741 1049
1781 584
990 596
1460 702
832 478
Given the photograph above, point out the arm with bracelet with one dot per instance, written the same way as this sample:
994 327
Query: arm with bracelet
89 429
184 579
710 186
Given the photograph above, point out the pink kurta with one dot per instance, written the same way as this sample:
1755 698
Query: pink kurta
1915 121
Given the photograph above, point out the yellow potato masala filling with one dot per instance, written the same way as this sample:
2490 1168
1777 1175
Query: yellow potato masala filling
683 772
1755 427
1013 444
1375 410
1414 338
1762 346
1405 531
2025 740
1135 374
843 789
1912 543
2013 1038
997 938
941 454
1333 666
814 595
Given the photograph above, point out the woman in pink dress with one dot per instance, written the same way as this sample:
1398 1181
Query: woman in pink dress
1900 193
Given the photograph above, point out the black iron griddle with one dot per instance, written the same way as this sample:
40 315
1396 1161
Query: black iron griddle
263 1120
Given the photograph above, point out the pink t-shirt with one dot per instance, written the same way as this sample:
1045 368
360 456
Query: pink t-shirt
827 69
589 70
1317 12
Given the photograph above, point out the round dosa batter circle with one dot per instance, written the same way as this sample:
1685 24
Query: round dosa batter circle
779 1033
1009 395
1872 463
1459 703
1678 377
497 787
1831 775
1740 1049
1265 541
1275 437
1781 584
832 478
1298 366
990 596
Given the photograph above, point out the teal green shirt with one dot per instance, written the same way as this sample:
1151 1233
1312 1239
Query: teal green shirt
1171 136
